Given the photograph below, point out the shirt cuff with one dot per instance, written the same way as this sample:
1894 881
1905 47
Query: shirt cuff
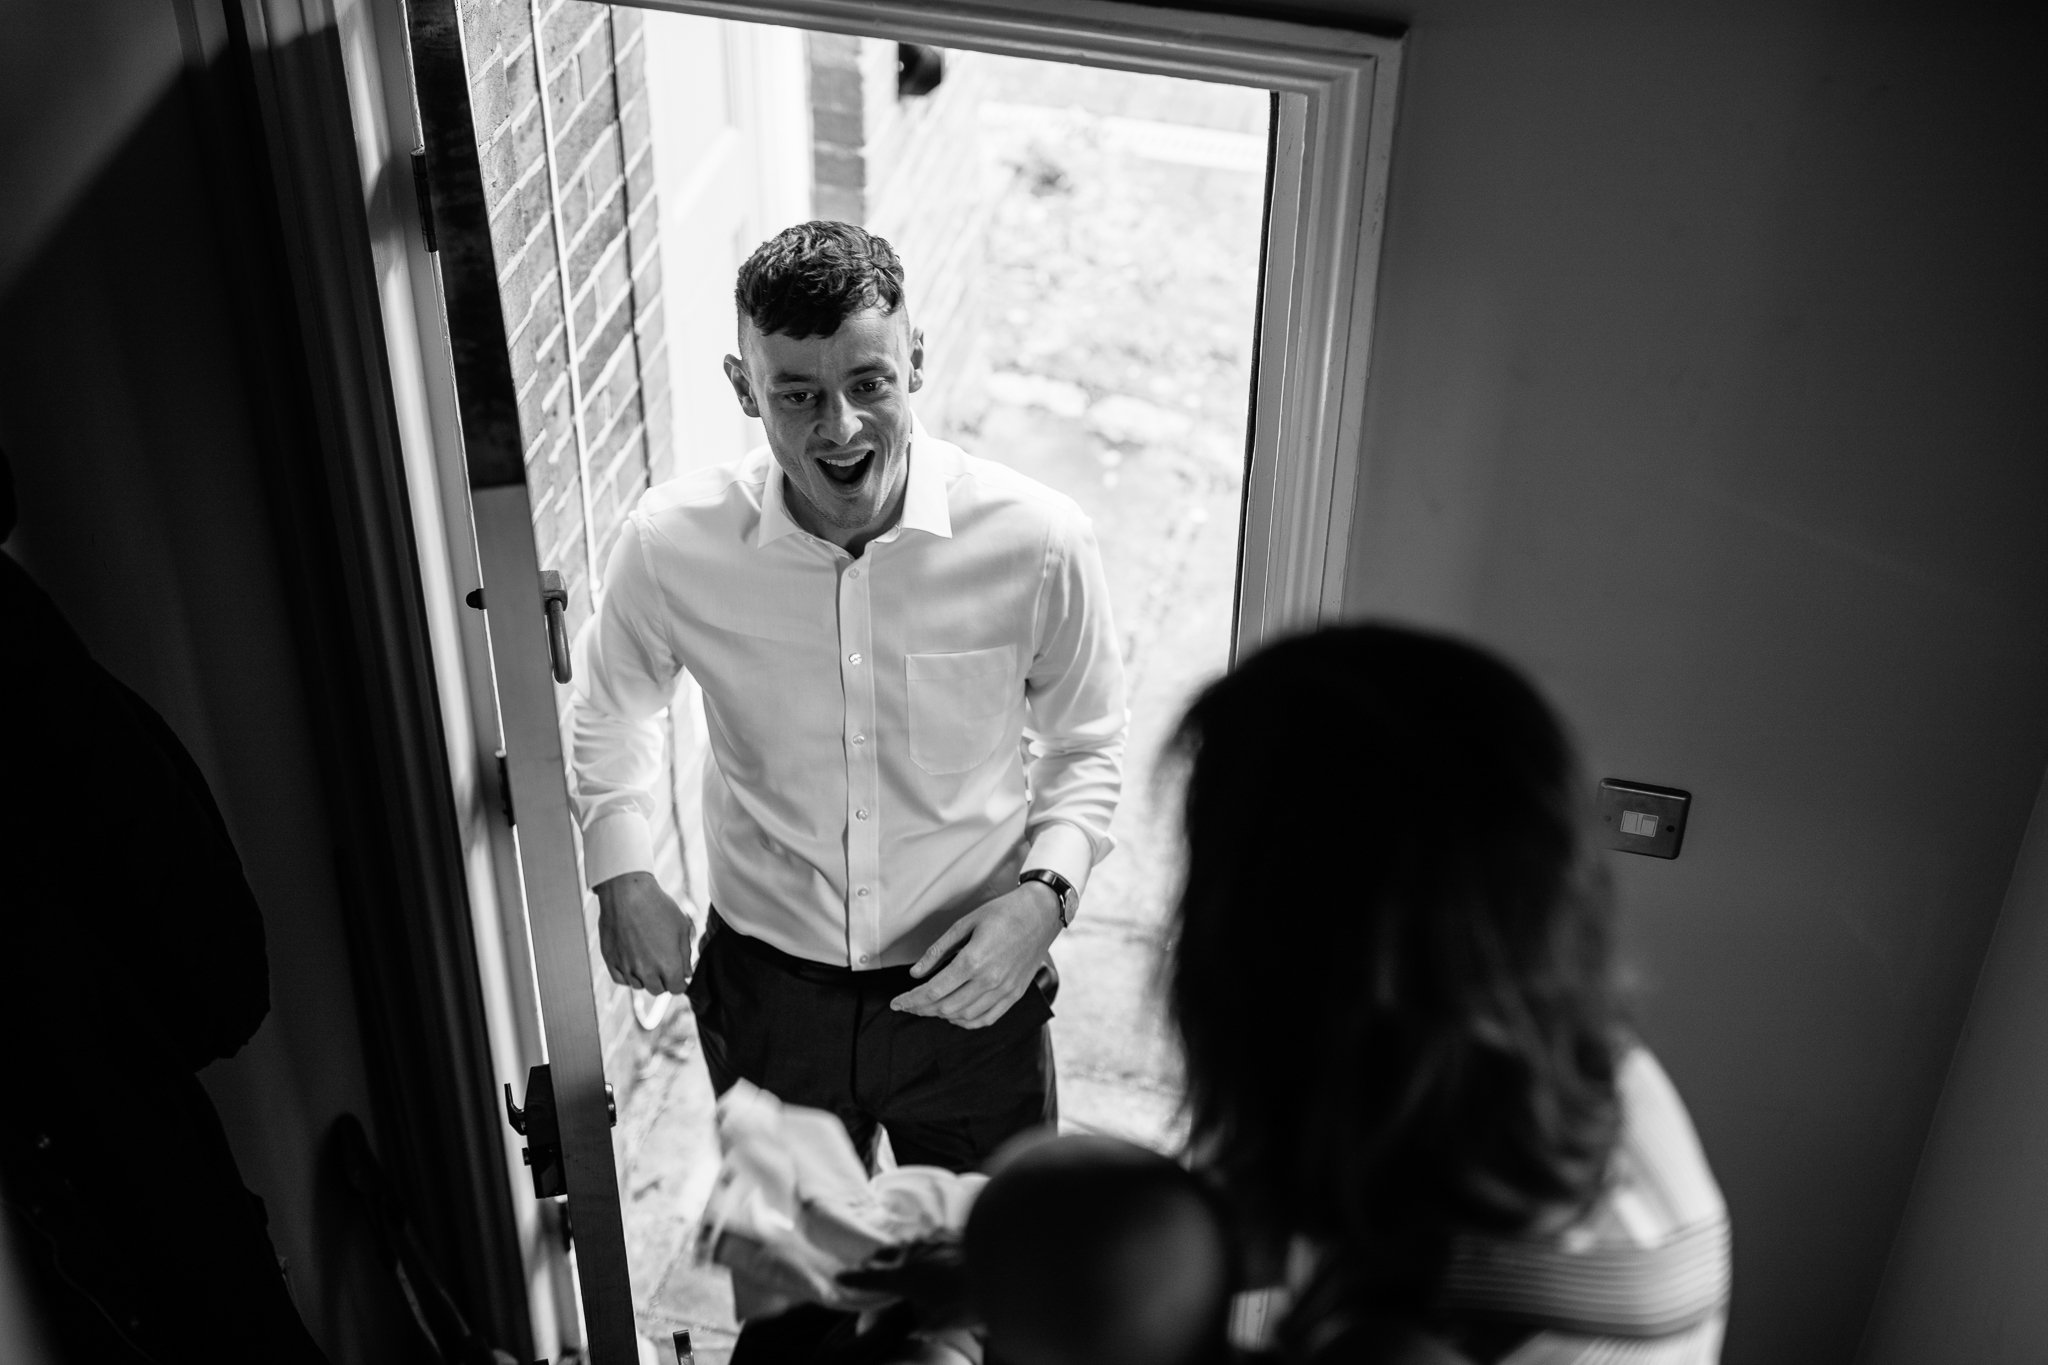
1062 848
616 844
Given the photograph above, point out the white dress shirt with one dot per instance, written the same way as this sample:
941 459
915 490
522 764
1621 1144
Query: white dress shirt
867 717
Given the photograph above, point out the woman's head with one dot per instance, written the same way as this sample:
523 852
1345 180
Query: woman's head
1392 965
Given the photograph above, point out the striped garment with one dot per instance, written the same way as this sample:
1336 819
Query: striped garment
1641 1279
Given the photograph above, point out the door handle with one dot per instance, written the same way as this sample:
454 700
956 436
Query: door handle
554 604
536 1121
554 601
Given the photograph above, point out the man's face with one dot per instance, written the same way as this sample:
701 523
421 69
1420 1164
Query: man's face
837 412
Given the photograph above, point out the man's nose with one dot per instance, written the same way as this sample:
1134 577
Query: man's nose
837 421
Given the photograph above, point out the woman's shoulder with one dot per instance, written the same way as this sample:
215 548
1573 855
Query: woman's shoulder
1649 1257
1659 1182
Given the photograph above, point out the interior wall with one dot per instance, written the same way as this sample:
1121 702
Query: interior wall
130 416
1965 1276
1707 383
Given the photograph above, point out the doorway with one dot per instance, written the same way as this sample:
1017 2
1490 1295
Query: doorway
1082 248
552 238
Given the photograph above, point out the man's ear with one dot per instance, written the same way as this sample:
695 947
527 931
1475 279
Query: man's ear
736 374
916 360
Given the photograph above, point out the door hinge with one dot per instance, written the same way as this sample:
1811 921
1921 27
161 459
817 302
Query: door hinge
423 194
505 789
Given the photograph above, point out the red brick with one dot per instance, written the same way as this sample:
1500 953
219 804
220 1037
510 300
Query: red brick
520 81
613 279
598 350
646 292
522 211
599 172
562 32
643 237
629 67
541 352
626 25
640 182
596 238
564 88
634 127
586 318
594 59
574 139
527 275
489 101
836 127
654 377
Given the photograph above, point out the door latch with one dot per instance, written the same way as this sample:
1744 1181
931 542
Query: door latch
536 1122
554 601
540 1125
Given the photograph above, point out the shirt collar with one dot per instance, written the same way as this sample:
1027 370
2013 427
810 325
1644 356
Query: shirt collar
924 498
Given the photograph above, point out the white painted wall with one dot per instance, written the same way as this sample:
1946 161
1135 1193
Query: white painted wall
732 164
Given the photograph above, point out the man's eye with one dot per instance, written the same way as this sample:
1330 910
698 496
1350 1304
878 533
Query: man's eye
871 386
797 398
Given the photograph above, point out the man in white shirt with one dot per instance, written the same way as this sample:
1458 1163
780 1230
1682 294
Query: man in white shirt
916 718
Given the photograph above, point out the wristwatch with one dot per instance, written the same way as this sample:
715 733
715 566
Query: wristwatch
1061 887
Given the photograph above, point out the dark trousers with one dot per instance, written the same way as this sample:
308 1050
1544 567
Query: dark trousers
824 1036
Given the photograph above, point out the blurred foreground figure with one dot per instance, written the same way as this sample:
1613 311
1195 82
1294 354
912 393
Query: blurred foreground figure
1407 1068
134 956
1090 1251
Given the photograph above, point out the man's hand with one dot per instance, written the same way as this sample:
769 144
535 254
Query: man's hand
1000 946
644 935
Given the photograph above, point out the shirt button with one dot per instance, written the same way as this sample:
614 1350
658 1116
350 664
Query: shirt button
860 739
854 573
853 658
863 959
860 815
861 891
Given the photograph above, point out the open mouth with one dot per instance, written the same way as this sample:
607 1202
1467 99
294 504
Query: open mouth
846 470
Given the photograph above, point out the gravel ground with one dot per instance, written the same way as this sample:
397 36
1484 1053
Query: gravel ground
1122 283
1123 278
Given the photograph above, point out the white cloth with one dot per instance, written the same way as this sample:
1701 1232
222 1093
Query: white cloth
866 716
793 1207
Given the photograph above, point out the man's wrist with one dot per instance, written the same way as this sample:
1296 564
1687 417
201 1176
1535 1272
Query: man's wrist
1050 899
1064 893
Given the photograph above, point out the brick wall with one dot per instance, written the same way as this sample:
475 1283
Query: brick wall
910 170
559 93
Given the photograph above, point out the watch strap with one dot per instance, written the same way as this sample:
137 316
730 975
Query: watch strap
1061 887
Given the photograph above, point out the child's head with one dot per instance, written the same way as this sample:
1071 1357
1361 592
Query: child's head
1090 1251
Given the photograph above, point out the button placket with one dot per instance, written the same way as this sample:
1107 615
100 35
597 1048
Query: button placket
863 773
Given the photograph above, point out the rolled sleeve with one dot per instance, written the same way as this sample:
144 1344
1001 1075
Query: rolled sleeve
1079 718
626 672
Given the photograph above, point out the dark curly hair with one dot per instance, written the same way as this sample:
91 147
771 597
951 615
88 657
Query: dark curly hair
806 280
1392 969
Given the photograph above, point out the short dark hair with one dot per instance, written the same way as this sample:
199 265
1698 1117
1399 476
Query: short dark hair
1392 965
806 280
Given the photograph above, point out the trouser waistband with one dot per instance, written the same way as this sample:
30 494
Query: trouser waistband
803 968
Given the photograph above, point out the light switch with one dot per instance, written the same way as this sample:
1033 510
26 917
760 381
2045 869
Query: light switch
1636 817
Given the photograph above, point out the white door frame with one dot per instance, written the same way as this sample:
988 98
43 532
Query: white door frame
1332 146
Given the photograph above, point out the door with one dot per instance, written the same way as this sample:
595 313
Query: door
528 655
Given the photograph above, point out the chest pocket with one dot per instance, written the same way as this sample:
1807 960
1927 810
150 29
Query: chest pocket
960 706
